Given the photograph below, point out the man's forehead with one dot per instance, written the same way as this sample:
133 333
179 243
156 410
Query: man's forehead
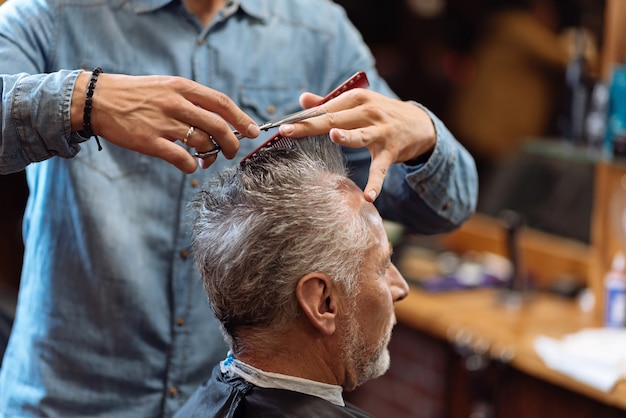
367 209
355 195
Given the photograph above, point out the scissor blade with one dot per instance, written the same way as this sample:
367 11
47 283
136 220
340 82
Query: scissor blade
291 118
294 117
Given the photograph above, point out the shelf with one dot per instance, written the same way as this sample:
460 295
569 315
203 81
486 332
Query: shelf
545 256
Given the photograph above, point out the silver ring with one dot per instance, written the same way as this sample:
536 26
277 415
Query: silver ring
189 133
212 151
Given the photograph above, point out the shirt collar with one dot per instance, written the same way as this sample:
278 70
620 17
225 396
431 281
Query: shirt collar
255 8
260 378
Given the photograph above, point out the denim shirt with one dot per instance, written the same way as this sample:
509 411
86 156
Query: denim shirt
112 319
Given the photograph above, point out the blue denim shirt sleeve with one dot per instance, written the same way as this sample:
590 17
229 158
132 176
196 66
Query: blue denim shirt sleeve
35 106
436 196
35 119
429 198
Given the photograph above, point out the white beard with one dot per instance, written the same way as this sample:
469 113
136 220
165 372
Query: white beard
358 355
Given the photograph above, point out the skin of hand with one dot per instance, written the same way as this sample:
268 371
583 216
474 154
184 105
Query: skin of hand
148 114
392 130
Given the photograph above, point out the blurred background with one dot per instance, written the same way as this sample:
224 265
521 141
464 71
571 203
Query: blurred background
501 74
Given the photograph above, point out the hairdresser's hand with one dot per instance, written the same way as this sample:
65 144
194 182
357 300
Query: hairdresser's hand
148 114
394 131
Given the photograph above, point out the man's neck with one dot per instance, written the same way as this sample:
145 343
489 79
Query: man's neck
307 359
205 10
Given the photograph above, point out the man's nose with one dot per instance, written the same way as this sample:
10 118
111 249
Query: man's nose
397 284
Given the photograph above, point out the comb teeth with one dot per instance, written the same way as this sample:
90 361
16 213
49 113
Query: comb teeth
277 141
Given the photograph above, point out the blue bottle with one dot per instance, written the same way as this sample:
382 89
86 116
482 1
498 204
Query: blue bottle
615 138
615 293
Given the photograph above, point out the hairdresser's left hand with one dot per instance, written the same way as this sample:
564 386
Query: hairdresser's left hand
393 131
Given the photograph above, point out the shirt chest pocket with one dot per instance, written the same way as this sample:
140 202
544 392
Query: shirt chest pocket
266 102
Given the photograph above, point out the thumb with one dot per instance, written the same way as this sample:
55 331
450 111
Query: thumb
308 100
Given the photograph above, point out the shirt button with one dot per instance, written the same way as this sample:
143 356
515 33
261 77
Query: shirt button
446 206
173 391
184 254
194 183
271 109
180 322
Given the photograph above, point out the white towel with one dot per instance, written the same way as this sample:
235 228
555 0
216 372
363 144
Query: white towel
595 356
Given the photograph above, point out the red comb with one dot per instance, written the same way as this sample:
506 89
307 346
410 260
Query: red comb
358 80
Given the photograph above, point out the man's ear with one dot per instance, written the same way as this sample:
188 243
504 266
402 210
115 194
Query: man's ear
318 300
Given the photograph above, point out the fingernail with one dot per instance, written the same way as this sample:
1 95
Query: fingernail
337 135
286 129
372 195
253 130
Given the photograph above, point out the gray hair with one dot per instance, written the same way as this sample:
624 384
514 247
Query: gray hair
260 227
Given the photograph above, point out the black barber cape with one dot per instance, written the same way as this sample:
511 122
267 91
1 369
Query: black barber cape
233 397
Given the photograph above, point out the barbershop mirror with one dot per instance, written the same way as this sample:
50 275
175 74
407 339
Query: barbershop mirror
554 195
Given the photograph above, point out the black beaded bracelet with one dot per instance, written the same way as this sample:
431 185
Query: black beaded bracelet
87 132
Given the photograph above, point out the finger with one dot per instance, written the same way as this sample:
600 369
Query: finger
378 171
199 140
214 130
345 119
172 153
207 161
354 138
309 100
220 104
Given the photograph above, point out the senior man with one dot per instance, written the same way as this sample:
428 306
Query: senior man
297 268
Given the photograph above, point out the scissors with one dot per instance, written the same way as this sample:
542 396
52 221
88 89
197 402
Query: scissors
291 118
274 123
359 79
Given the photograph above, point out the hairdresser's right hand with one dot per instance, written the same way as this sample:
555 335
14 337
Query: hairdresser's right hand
148 114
